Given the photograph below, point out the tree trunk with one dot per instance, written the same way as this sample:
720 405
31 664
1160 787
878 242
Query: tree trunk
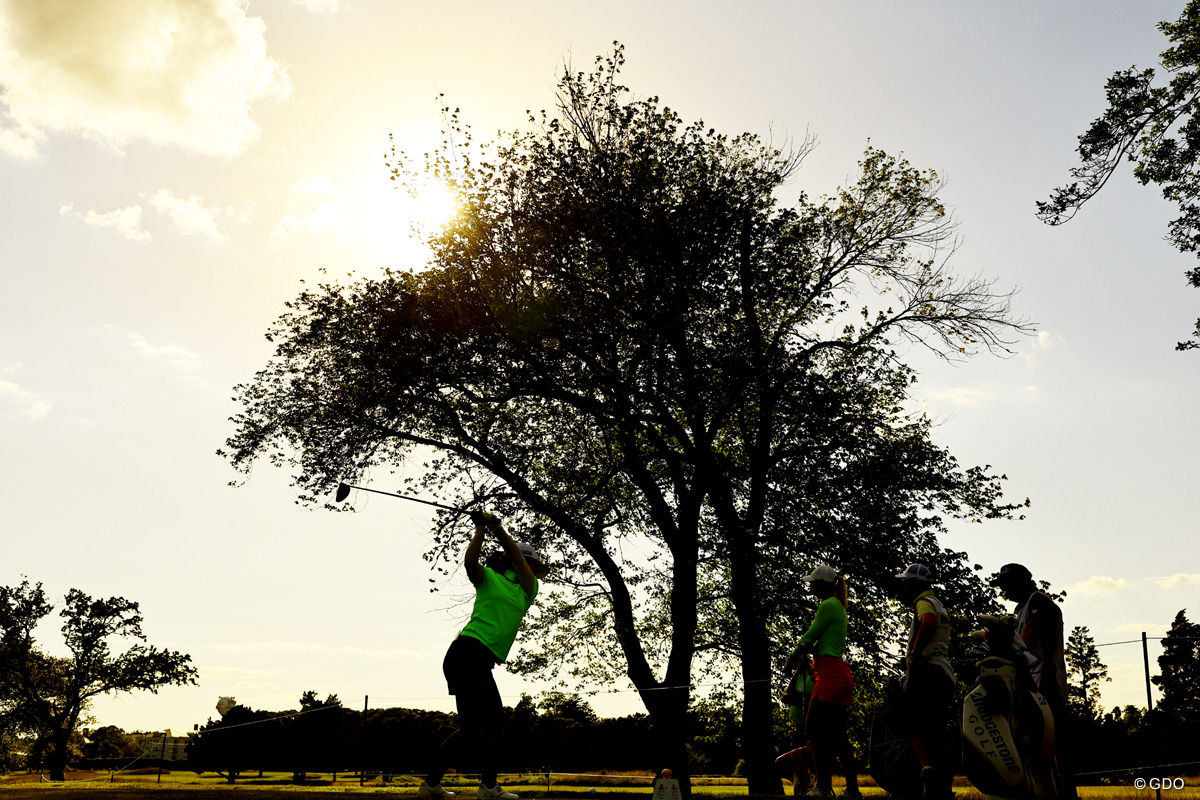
758 751
667 708
758 723
56 758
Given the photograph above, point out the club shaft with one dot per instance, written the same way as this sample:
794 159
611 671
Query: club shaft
406 497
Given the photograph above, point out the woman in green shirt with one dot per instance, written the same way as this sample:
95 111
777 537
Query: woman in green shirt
833 688
504 591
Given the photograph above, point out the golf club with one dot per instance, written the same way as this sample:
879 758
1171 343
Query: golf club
343 491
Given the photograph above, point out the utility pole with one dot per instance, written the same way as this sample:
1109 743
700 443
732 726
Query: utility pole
362 772
1149 699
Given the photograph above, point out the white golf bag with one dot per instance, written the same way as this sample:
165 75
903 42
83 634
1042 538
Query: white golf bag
1007 726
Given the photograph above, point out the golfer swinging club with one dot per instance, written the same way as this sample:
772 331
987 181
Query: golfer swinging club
504 591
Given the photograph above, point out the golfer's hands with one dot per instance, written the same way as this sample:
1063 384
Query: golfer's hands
484 519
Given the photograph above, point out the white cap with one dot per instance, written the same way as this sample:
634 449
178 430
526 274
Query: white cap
916 572
529 553
824 573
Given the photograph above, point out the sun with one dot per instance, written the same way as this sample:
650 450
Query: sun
400 221
434 206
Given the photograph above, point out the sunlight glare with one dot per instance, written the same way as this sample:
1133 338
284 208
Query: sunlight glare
398 223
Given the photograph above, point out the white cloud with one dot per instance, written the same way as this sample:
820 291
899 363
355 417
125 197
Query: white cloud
318 6
1179 579
964 396
1097 584
317 184
1046 339
172 72
330 216
188 213
125 221
26 402
170 355
274 646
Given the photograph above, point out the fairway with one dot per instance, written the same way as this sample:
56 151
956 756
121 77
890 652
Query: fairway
276 786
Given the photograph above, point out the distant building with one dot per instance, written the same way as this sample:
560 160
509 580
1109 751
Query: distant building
153 746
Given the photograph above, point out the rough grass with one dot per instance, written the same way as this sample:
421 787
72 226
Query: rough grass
142 785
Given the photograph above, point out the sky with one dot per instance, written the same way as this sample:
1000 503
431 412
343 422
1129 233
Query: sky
171 172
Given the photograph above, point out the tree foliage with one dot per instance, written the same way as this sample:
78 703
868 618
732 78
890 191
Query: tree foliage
688 390
1083 661
1156 128
46 696
1179 671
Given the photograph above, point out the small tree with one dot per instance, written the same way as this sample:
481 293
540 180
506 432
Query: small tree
50 695
1083 660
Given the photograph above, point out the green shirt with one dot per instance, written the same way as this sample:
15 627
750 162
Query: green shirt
828 630
500 605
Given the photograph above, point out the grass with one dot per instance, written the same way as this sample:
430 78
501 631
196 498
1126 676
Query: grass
143 785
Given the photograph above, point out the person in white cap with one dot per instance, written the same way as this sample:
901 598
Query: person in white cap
504 591
928 681
833 687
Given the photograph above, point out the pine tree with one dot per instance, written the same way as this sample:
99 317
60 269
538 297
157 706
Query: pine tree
1179 667
1083 660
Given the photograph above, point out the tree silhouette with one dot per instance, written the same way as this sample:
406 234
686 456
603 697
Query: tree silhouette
628 346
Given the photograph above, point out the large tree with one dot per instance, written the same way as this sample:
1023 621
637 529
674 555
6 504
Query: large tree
48 694
1179 671
1156 128
690 391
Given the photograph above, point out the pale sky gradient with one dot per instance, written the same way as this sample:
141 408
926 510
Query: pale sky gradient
171 171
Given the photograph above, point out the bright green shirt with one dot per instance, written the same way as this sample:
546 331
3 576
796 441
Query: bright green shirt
500 605
827 633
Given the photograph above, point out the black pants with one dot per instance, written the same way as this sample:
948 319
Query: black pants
928 697
826 727
468 669
1064 741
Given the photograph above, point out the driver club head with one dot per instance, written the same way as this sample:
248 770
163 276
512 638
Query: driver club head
343 491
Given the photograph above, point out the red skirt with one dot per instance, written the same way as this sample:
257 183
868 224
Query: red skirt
833 682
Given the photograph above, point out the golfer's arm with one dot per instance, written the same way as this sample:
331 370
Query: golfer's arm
520 565
471 556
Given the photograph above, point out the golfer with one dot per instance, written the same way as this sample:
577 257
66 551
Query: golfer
833 689
928 681
504 591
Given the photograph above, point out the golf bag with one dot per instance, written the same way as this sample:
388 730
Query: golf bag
1007 726
892 762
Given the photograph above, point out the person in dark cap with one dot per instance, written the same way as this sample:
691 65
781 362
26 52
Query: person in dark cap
928 681
1040 626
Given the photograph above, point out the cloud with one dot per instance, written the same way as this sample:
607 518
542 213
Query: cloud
329 216
1045 340
1179 579
171 72
1098 584
26 402
188 214
125 221
317 184
169 355
273 646
964 396
318 6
